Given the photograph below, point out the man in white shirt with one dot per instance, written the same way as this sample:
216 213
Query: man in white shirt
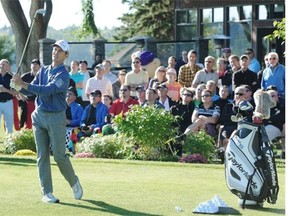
99 82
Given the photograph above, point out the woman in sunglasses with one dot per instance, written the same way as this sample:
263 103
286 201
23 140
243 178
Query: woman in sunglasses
205 116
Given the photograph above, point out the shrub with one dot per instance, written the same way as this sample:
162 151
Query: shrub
109 146
25 152
194 158
200 143
148 128
19 140
84 155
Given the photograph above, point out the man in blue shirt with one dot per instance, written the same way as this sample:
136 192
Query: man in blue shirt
49 120
274 74
254 65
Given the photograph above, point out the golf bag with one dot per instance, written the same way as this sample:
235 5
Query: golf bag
250 169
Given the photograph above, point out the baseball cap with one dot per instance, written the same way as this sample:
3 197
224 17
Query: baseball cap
162 86
140 88
99 66
171 70
226 50
63 44
83 61
72 89
96 93
36 61
244 56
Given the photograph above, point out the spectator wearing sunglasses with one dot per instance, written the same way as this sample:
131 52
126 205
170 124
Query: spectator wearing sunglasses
124 103
205 116
239 109
254 63
274 74
184 109
137 76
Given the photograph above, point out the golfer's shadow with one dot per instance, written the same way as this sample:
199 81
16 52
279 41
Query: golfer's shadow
105 207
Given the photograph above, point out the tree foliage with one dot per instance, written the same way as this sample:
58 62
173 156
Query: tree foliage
20 27
154 18
88 26
279 33
6 48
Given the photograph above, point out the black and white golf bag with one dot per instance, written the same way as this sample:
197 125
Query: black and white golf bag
250 169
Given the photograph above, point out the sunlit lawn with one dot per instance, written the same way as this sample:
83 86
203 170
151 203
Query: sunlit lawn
121 187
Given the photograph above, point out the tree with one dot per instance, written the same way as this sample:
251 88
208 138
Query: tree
20 28
279 33
6 47
88 25
154 18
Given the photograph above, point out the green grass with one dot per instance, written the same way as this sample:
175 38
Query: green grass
121 187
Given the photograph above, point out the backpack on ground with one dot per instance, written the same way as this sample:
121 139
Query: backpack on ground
250 169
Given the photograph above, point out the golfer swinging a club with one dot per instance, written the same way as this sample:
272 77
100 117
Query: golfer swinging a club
49 120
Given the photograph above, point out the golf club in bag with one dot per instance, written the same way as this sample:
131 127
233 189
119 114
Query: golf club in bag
250 169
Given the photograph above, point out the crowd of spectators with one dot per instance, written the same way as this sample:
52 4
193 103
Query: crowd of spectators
205 96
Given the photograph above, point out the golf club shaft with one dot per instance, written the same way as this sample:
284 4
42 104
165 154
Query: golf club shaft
26 44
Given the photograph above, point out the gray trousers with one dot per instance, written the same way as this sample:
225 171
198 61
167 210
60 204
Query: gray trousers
49 128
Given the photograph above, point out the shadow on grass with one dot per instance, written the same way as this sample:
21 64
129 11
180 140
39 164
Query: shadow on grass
272 210
105 207
17 161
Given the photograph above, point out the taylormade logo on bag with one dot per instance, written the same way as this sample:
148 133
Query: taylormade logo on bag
272 170
239 166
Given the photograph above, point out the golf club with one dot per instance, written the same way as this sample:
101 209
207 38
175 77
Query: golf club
39 11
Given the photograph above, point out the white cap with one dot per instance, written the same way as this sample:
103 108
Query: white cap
63 44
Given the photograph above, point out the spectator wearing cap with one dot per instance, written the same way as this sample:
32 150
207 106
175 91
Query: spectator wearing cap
74 112
188 71
254 63
77 76
173 86
49 121
107 71
274 74
164 99
99 82
118 83
93 118
141 95
27 104
206 74
226 53
137 76
151 99
244 76
160 76
124 103
83 66
183 110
